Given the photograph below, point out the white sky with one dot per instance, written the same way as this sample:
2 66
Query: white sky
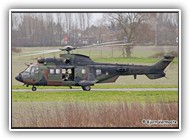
96 17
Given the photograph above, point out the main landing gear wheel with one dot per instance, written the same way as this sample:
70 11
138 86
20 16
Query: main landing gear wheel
86 88
34 88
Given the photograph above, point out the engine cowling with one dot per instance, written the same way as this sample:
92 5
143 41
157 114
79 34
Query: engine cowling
41 60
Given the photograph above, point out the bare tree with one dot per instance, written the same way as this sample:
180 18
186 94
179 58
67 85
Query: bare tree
16 34
68 23
168 28
127 23
49 28
88 20
82 23
59 28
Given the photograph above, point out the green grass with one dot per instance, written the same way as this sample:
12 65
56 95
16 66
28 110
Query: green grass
135 60
97 96
100 86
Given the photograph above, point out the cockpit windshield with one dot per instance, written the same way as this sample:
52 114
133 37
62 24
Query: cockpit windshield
28 69
32 69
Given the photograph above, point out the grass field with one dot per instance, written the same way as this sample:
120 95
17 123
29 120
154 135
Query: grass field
97 96
133 60
93 109
98 108
98 86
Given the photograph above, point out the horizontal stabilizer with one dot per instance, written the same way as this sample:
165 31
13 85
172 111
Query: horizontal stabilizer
155 76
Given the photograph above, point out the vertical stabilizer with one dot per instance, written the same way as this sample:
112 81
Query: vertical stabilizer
164 62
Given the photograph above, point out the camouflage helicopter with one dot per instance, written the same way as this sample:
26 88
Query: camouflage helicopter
79 70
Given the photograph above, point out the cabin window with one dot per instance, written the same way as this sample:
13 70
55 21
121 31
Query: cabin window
63 71
98 72
83 71
51 71
57 71
69 71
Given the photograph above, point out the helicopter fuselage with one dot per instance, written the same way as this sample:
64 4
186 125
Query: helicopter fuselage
79 70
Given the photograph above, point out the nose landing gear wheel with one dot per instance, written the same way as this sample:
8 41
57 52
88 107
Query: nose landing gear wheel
34 88
86 88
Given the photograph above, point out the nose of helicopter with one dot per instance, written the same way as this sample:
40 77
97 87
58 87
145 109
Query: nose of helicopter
19 78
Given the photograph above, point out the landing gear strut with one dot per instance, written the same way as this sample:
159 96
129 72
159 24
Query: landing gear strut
34 88
86 88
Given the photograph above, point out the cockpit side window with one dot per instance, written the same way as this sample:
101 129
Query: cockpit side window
36 70
32 69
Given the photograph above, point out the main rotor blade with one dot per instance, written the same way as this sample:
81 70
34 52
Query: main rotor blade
69 48
108 44
38 53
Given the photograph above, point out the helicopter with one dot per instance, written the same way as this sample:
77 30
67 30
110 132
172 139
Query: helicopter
80 70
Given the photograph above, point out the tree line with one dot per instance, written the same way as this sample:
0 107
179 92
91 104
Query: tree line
79 29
